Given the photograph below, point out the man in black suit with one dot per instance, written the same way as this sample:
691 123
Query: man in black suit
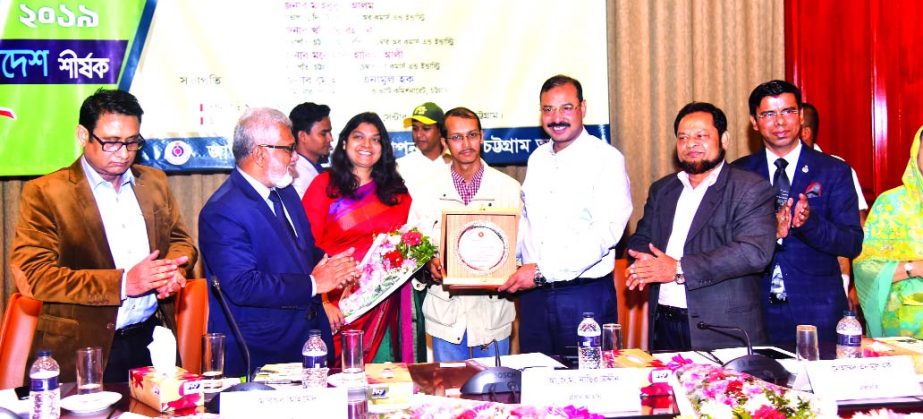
715 226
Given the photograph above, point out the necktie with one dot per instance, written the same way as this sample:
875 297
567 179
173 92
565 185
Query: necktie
781 182
280 211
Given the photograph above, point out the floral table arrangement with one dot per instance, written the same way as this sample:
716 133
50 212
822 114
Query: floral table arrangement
390 262
715 392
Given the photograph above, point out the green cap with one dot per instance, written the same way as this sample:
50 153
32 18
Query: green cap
428 113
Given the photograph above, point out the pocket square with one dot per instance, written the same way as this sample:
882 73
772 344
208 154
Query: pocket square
814 190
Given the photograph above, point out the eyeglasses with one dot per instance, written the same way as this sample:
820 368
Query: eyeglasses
290 148
471 136
114 146
565 109
786 113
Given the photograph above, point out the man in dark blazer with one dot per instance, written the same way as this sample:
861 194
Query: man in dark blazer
817 216
257 242
102 245
706 237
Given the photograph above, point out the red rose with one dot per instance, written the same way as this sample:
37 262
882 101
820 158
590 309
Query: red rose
735 387
767 412
412 238
394 258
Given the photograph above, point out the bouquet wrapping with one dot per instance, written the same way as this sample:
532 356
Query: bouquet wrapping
390 262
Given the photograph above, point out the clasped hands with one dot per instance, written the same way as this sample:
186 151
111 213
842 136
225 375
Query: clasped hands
785 221
162 275
337 271
649 268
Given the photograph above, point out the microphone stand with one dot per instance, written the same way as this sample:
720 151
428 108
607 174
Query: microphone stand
757 365
214 405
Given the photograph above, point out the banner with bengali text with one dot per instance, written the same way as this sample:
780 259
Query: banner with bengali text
196 65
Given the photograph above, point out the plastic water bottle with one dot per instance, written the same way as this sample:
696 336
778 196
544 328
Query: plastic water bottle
589 347
848 336
314 373
44 391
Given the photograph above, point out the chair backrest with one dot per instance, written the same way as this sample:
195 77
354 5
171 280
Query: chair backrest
192 323
16 333
632 309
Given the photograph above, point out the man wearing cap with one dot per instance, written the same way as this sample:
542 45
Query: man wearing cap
311 129
431 158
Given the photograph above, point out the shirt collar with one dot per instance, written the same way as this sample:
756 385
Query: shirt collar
260 188
709 181
791 157
578 143
477 175
96 179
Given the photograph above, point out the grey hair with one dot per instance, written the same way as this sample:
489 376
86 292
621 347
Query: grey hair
254 125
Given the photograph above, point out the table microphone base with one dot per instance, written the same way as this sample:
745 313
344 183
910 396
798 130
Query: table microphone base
762 367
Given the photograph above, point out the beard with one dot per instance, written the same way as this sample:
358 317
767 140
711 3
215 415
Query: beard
282 179
699 167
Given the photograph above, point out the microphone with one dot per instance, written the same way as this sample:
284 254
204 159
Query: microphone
496 379
214 405
757 365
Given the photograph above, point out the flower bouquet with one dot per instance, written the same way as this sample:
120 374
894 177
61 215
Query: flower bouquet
391 260
715 392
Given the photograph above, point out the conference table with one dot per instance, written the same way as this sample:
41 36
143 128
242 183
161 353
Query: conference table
434 379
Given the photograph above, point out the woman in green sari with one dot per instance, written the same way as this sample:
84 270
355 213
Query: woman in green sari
889 272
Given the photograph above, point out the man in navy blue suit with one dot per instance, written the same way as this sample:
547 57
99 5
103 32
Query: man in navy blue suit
255 238
817 218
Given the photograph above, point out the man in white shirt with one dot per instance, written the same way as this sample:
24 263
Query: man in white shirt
464 323
576 203
311 128
102 245
431 159
704 241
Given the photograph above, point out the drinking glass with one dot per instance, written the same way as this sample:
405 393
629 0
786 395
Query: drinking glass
213 359
611 343
806 342
89 370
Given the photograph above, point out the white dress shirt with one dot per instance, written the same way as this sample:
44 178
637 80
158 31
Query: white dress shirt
126 233
304 175
576 204
671 293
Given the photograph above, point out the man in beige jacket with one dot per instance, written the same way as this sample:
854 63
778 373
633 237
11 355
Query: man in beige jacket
463 324
102 245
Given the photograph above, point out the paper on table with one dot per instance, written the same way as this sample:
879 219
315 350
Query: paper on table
9 400
521 361
163 351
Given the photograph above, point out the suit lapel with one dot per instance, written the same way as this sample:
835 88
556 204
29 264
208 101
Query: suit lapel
671 195
145 201
710 201
803 173
91 218
283 237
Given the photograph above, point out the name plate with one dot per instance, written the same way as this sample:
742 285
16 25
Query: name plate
863 378
285 403
602 391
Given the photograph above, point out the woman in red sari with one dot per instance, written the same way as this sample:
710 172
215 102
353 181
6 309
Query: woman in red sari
361 196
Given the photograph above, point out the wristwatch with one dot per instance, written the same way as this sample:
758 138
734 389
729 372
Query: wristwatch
679 278
908 268
539 279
